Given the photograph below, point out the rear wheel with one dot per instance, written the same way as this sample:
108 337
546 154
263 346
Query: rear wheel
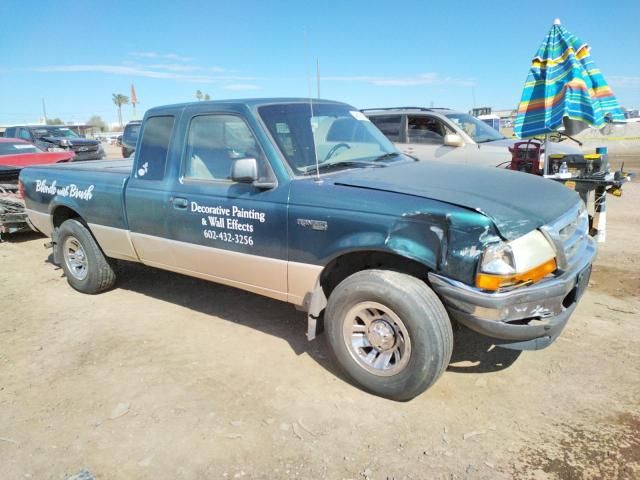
389 332
85 266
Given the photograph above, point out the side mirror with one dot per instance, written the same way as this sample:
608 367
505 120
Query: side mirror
244 170
453 140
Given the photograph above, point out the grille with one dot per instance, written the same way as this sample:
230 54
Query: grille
569 236
84 148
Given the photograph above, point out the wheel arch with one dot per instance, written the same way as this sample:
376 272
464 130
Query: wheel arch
346 264
61 213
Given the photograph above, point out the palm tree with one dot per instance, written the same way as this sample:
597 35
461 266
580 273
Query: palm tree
120 100
198 94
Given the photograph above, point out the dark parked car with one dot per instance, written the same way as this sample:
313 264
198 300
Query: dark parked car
58 138
130 137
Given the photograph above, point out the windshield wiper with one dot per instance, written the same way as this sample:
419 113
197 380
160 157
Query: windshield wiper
386 156
344 163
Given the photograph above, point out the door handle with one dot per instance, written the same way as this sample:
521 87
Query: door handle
180 203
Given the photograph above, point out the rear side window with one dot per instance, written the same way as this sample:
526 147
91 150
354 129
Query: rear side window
389 125
151 160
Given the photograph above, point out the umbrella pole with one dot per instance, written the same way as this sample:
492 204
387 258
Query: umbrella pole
546 155
601 208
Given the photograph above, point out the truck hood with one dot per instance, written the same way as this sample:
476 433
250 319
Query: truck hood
516 202
71 141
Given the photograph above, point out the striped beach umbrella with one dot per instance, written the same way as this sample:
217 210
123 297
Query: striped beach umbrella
564 81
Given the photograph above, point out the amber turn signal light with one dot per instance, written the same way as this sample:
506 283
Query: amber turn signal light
495 282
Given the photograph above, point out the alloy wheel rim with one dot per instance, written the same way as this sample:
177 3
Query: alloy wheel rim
75 258
377 338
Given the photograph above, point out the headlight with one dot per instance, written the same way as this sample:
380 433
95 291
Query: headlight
527 259
55 149
498 259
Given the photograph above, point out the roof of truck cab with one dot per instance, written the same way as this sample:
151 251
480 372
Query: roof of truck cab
248 102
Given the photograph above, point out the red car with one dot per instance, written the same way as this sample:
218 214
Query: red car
15 152
14 155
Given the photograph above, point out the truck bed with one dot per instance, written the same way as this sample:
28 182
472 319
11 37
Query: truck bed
112 166
94 189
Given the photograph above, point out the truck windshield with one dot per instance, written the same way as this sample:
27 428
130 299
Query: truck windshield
55 132
307 133
479 131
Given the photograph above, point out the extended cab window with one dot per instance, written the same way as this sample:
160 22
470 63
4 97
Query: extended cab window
426 129
390 125
214 142
152 158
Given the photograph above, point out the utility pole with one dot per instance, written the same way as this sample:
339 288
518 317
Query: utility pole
44 111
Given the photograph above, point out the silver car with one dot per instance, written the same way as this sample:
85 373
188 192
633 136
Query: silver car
447 135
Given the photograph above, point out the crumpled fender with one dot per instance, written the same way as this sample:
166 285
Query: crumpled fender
467 235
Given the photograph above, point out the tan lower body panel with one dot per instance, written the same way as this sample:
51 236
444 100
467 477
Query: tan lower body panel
115 242
42 221
274 278
301 280
286 281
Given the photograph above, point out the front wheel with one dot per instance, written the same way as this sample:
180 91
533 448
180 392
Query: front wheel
389 332
85 266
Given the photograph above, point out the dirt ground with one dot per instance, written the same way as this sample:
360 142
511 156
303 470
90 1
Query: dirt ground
172 377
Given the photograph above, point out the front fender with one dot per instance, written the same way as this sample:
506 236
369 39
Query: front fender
467 235
419 237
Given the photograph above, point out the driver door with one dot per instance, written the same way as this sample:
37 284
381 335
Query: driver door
224 230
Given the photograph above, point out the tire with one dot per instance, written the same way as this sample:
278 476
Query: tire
85 266
389 332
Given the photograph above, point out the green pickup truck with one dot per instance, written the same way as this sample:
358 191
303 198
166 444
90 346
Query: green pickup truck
307 202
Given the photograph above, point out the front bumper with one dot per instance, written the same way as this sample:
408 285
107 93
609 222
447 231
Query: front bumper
528 318
90 155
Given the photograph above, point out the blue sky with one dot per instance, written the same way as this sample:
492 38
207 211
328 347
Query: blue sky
372 53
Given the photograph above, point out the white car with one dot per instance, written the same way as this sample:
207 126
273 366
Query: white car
447 135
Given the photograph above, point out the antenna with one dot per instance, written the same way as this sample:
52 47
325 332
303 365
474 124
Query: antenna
318 75
315 153
313 139
44 111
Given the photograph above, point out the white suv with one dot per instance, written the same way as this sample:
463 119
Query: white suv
447 135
